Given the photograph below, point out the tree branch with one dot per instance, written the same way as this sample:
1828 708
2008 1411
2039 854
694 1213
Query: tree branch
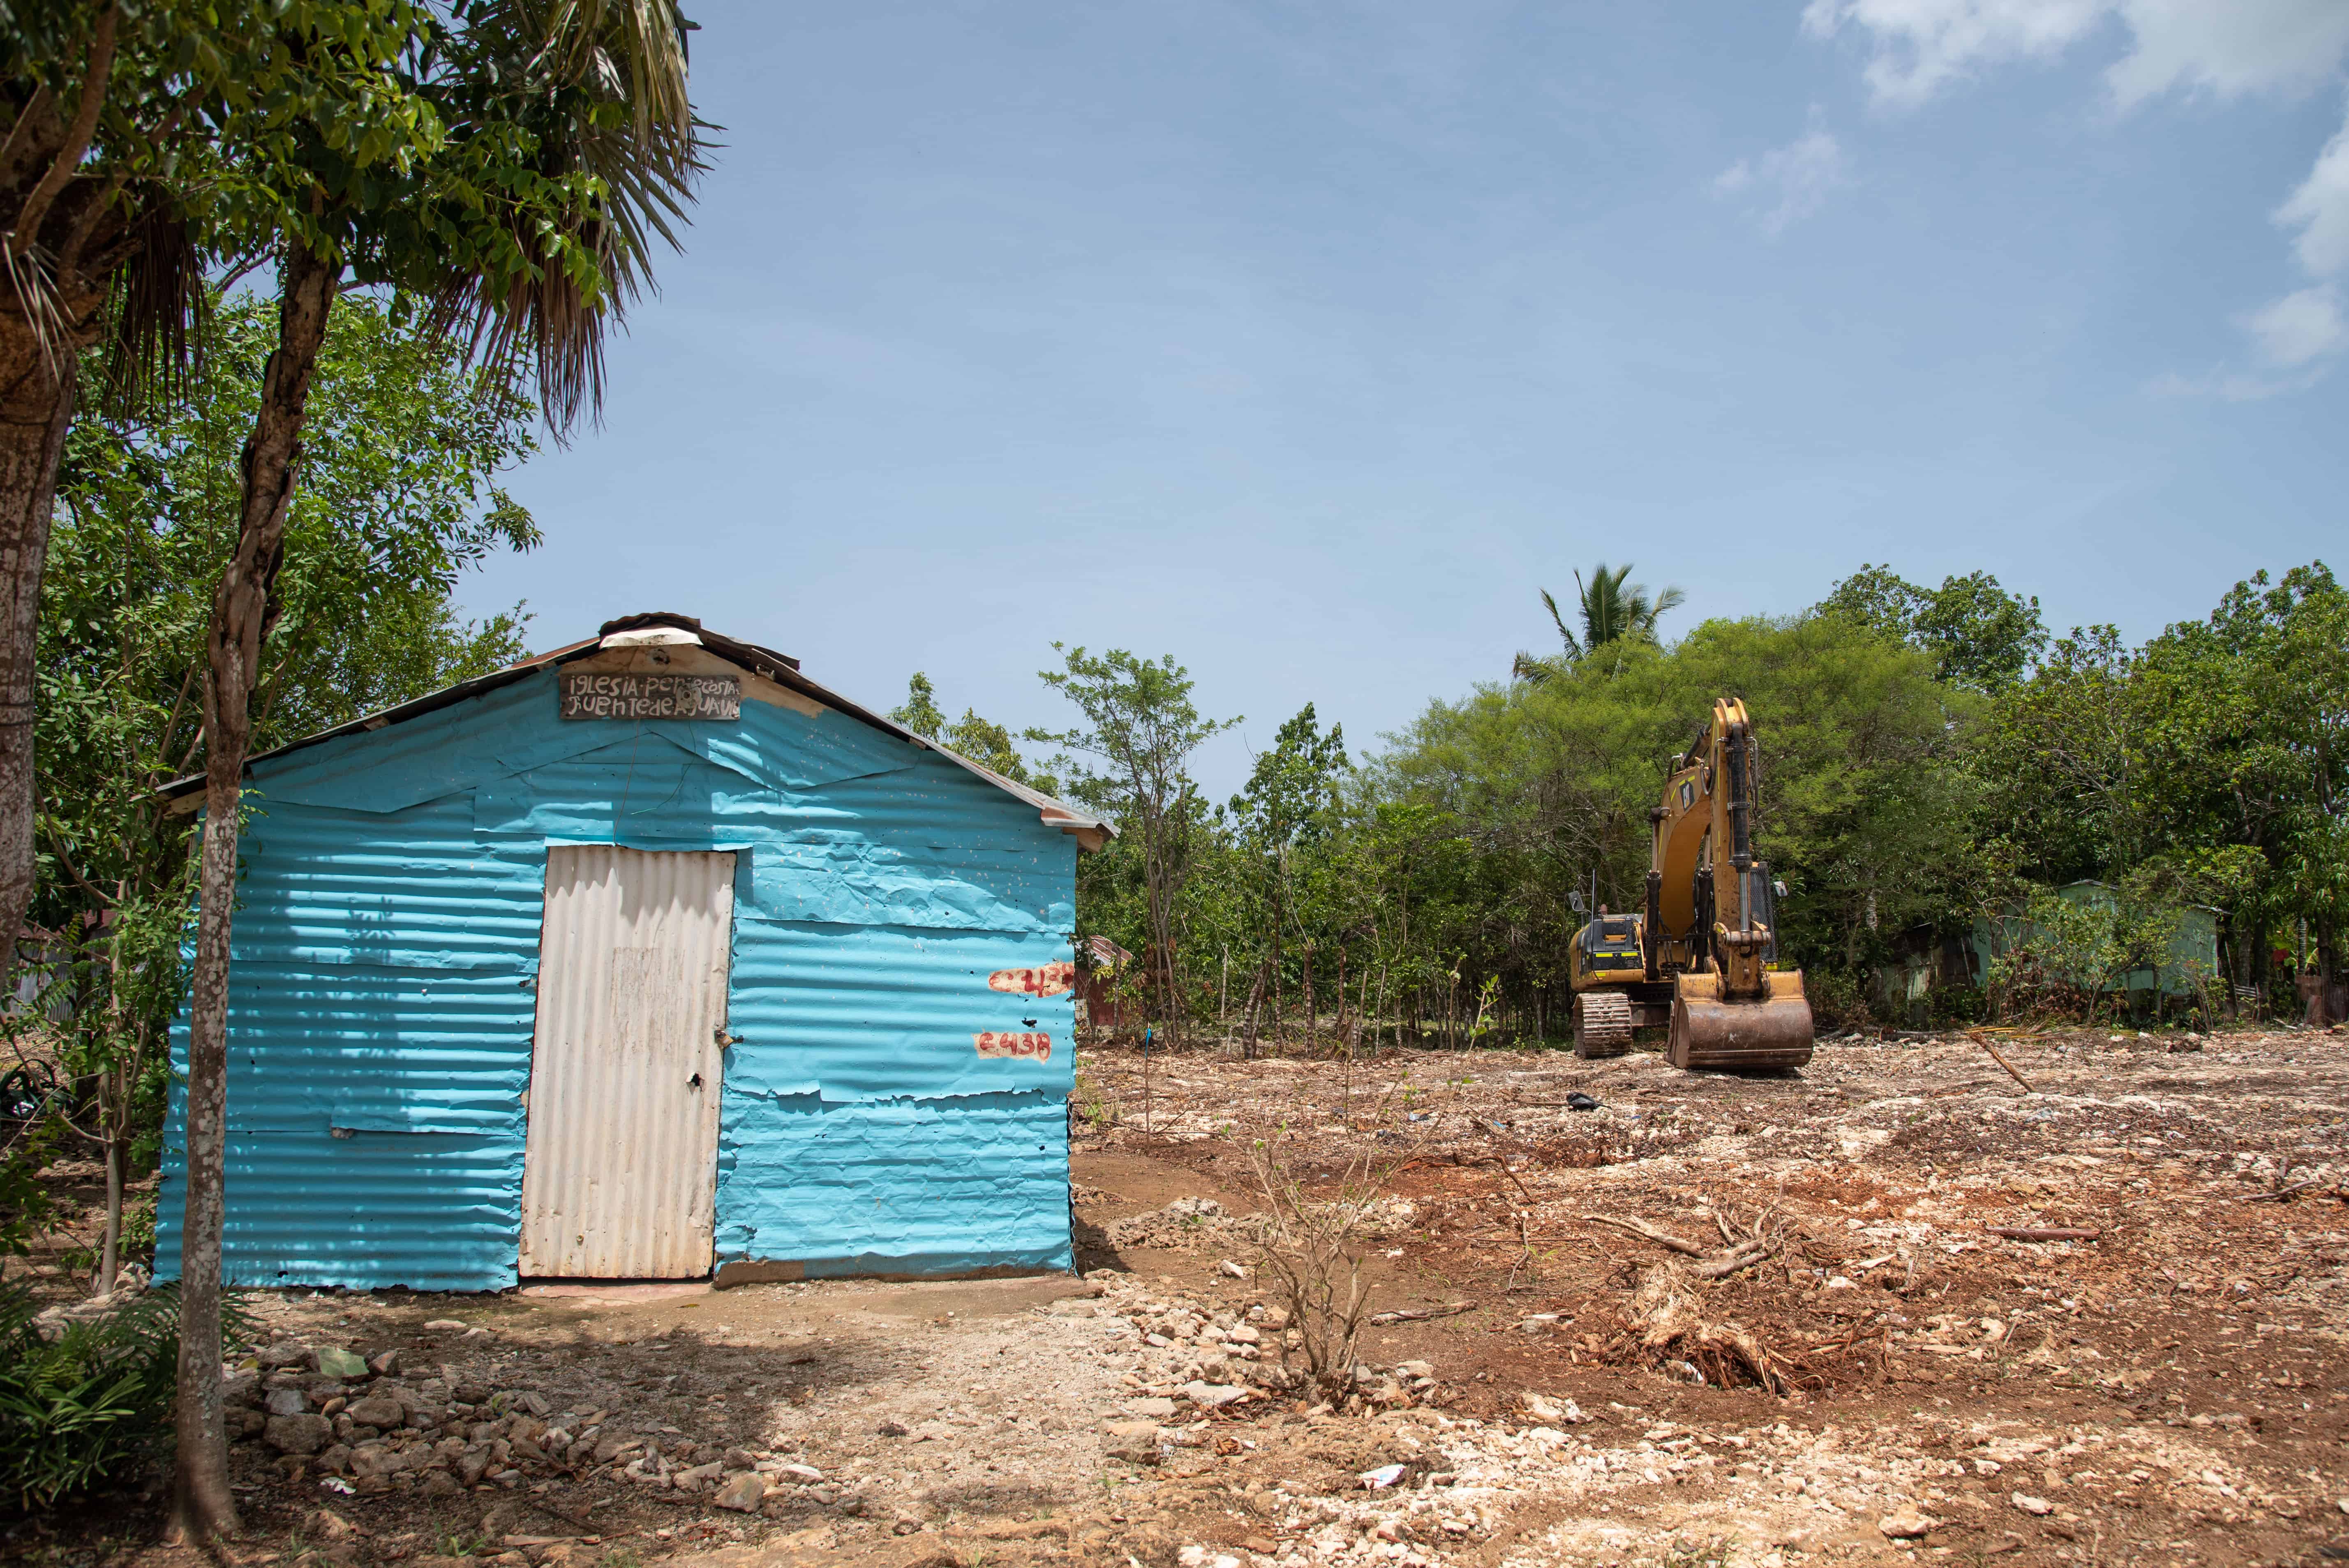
23 232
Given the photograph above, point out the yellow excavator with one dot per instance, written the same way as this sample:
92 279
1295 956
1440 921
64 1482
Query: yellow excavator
1698 959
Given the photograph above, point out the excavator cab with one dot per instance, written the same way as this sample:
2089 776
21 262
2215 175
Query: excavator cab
1608 970
1609 946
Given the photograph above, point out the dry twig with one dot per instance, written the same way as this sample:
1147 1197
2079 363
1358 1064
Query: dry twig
1421 1314
1976 1038
2042 1232
1641 1228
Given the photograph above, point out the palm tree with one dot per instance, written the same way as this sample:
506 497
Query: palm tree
570 147
1610 611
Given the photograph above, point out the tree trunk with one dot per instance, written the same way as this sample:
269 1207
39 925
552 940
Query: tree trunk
202 1507
1339 1025
109 1257
113 1101
36 401
1249 1047
1309 1001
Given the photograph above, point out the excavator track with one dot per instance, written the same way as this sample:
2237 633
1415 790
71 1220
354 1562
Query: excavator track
1602 1024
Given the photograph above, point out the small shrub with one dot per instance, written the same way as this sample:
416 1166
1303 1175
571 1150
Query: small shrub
82 1408
1312 1257
1838 999
1952 1004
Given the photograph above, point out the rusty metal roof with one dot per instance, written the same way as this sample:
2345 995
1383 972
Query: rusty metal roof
781 668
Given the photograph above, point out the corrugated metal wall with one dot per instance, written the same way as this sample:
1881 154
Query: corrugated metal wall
387 942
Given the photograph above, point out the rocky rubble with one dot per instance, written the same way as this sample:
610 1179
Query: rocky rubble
370 1426
1213 1355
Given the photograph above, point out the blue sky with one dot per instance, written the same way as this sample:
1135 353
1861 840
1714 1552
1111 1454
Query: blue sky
1305 341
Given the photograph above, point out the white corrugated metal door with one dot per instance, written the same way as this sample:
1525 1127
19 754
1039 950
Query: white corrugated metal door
621 1168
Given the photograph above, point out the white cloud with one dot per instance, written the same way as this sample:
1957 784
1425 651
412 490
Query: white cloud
1920 47
2299 328
2319 210
2229 47
1796 179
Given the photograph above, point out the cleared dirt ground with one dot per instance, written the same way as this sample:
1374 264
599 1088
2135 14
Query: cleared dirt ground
1883 1379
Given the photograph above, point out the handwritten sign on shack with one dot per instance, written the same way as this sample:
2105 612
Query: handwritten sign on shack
635 695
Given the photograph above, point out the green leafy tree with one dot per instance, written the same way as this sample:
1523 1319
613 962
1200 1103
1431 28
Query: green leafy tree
133 137
1865 813
2240 751
920 713
551 145
1609 609
403 496
983 741
1130 763
990 746
1280 826
2211 764
1981 637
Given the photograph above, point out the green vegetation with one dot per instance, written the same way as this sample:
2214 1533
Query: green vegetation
1930 759
1611 608
406 446
81 1401
981 741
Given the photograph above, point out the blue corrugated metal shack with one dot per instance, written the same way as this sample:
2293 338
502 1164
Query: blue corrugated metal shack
642 958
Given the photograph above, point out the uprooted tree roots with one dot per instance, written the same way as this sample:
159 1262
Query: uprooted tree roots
1665 1323
1665 1327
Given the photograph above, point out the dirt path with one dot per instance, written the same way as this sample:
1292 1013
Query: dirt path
2173 1391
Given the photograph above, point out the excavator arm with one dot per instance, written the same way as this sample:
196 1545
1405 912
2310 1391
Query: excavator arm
1714 911
1708 930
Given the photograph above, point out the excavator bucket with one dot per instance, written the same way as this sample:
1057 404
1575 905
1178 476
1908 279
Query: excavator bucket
1740 1035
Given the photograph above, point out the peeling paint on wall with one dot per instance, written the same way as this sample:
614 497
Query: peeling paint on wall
1038 1048
1045 980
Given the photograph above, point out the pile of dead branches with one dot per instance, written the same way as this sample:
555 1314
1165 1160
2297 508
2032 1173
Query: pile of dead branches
1665 1323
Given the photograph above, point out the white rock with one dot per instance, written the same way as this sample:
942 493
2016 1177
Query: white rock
1213 1396
808 1474
1231 1270
444 1325
2038 1507
1908 1524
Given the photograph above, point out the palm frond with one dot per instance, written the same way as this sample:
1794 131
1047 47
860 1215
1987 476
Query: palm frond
1532 668
578 60
626 51
1573 647
1603 618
